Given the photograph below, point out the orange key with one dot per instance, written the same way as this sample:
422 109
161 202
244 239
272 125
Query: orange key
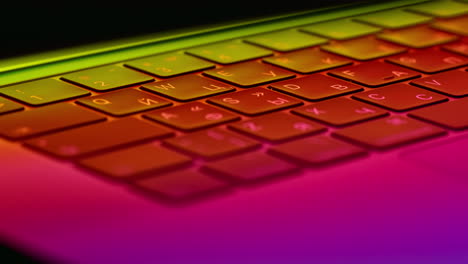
450 114
389 132
7 106
453 83
98 137
420 36
429 60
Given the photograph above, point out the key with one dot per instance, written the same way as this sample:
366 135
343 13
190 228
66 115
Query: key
7 106
389 132
45 119
450 114
286 40
250 167
400 97
187 87
212 143
229 52
124 102
107 78
181 185
248 74
340 111
386 19
365 48
191 116
316 151
316 87
254 101
417 36
341 29
93 138
453 83
169 64
455 25
308 60
277 127
374 73
130 163
43 92
460 47
445 8
429 60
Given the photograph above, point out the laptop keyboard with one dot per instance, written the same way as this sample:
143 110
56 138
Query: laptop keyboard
190 123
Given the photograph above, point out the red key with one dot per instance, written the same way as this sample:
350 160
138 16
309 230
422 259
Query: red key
389 132
429 60
450 114
277 127
460 47
255 101
453 83
374 73
316 87
98 137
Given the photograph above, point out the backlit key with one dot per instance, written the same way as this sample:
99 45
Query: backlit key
444 8
97 137
187 87
136 161
429 60
249 74
417 37
229 52
45 119
387 19
308 60
460 47
316 87
286 40
341 29
191 116
212 143
8 106
453 83
450 114
317 150
389 132
250 167
455 25
400 97
374 73
277 127
340 111
107 78
124 102
254 101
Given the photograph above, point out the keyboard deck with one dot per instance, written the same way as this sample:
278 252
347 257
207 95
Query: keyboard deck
194 122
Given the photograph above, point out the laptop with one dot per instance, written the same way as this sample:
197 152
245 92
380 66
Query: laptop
332 132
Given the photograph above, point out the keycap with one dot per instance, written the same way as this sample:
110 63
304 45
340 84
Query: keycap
420 36
386 19
229 52
191 116
212 143
453 83
400 97
250 167
389 132
286 40
340 111
187 87
460 47
8 106
444 8
169 64
130 163
98 137
124 102
181 185
449 114
277 127
316 87
107 78
43 92
248 74
365 48
46 119
307 60
317 150
254 101
455 25
374 74
341 29
429 60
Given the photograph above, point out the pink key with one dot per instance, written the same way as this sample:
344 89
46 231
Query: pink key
453 83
